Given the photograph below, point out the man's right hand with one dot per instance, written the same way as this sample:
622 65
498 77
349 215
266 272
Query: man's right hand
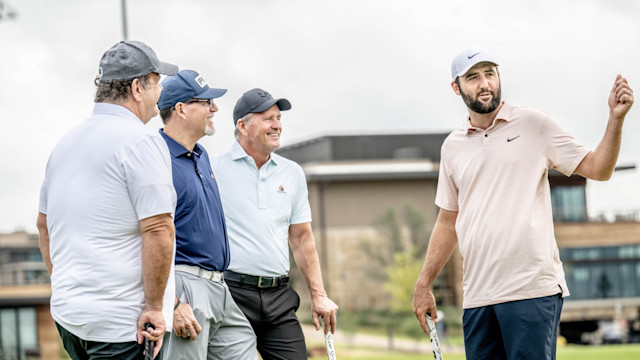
184 322
423 302
155 317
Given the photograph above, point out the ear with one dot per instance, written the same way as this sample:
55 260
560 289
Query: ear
180 110
455 87
242 127
136 90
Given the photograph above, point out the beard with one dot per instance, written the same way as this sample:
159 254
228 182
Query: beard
209 129
478 107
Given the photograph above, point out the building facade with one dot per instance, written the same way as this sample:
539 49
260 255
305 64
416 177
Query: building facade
352 179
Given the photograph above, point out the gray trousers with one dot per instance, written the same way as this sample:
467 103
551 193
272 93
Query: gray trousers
226 332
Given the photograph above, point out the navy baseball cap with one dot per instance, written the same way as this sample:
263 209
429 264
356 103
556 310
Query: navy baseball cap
131 59
185 85
256 101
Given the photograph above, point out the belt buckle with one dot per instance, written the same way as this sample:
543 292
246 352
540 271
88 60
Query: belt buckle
273 281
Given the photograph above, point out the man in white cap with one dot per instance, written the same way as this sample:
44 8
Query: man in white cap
105 215
265 200
207 323
494 199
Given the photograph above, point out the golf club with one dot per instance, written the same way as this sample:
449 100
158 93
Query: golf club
433 334
331 351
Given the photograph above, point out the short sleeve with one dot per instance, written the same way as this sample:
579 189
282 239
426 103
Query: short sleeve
301 212
447 191
147 168
42 206
563 152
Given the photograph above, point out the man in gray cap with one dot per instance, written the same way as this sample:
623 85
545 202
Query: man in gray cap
105 215
207 323
494 198
264 197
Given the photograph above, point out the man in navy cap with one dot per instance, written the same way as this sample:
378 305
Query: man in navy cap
105 221
265 202
207 322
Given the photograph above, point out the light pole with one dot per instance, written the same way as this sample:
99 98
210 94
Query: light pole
125 34
6 11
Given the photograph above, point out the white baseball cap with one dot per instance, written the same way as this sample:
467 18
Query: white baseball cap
469 57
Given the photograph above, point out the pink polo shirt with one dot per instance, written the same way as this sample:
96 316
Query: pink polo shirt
497 181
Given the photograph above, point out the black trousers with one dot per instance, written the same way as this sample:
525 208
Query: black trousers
272 314
79 349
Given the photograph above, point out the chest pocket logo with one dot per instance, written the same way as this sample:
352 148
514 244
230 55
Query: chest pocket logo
281 189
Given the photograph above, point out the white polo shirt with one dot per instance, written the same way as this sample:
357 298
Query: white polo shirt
497 181
101 179
259 206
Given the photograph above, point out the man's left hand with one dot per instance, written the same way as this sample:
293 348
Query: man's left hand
324 307
620 98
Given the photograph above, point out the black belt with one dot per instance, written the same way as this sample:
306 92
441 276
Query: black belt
259 281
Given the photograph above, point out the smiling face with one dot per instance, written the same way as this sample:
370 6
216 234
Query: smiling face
149 97
480 88
200 113
261 135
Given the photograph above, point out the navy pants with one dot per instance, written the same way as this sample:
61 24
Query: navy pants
522 330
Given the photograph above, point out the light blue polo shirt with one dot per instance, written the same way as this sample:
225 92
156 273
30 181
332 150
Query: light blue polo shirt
259 205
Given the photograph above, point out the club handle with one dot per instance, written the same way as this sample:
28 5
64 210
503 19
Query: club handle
331 351
433 334
148 344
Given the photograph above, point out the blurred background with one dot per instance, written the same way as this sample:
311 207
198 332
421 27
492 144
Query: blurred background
369 82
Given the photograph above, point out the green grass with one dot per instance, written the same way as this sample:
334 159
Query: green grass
617 352
569 352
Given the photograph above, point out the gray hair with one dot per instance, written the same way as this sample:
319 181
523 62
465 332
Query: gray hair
117 91
247 120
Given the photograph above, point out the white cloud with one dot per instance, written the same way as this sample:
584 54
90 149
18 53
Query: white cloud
347 66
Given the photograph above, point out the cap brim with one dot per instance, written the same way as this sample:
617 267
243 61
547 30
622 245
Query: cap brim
211 93
167 69
283 104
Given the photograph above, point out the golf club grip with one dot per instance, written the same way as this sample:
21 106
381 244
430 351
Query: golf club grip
433 334
331 351
148 344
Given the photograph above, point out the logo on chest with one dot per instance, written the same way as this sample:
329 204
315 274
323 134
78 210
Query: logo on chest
281 189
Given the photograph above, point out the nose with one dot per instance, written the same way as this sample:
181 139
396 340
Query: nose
213 107
484 83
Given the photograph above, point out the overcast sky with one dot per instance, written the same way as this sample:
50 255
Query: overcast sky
348 67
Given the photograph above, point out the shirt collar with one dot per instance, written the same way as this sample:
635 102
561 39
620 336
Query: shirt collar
176 148
116 110
237 152
504 114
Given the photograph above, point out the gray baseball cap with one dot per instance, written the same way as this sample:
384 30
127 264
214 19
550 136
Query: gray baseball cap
256 101
130 59
469 57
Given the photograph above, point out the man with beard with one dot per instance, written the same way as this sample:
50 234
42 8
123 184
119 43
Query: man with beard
493 193
206 321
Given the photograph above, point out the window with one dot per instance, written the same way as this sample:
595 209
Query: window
568 203
15 345
602 272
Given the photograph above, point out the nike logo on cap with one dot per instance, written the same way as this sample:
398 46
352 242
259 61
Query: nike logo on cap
471 56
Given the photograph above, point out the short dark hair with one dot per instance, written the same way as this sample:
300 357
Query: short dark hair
165 114
116 90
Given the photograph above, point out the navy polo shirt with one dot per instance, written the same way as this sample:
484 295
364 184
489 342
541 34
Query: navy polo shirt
201 232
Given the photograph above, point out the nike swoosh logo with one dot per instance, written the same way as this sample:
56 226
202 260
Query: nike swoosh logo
510 140
471 56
